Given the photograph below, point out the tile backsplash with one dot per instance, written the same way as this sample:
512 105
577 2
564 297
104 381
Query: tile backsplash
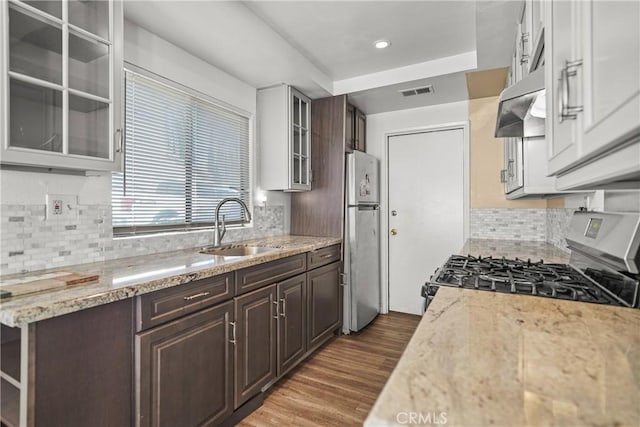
28 242
557 225
508 224
540 225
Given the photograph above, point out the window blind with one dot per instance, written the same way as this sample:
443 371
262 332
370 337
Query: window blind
183 154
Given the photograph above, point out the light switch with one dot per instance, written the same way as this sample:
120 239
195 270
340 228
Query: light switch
62 206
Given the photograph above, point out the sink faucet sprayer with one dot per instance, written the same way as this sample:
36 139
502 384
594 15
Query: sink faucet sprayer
217 233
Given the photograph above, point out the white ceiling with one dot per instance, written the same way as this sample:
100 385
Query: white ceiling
446 88
338 36
325 47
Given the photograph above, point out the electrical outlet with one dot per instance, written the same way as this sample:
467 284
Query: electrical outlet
62 206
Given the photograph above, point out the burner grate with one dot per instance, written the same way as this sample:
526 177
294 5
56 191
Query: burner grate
519 276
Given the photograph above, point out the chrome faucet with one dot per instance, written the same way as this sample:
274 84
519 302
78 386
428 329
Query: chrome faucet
219 234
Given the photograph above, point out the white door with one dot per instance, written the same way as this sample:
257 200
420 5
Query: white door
426 210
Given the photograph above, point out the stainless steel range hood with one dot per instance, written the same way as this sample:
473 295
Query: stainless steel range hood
521 112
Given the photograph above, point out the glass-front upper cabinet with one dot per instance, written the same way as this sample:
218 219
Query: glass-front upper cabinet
284 138
61 83
300 141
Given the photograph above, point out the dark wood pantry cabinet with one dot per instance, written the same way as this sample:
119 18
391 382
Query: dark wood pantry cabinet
337 128
360 137
355 129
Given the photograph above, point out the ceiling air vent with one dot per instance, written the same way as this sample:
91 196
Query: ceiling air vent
417 91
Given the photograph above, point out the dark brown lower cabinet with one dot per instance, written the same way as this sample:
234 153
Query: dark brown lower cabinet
83 367
256 338
184 370
292 322
323 303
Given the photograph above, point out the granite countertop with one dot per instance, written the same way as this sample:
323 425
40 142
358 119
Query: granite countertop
128 277
484 358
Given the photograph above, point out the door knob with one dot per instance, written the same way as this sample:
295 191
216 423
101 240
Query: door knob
394 213
394 231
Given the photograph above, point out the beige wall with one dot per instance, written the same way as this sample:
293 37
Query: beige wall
486 161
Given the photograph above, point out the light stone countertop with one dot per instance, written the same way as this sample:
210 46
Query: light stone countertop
128 277
483 358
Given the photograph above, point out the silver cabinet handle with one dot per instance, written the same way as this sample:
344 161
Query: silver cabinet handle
568 112
233 333
119 141
284 307
510 168
275 303
524 58
503 176
343 279
198 295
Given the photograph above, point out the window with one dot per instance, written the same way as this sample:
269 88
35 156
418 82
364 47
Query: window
183 154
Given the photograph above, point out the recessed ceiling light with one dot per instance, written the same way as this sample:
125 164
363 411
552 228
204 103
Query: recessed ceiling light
381 44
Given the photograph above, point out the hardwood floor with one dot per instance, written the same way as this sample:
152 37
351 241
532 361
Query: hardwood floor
339 384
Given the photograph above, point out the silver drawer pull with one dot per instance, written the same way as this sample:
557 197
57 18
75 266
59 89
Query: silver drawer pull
275 303
329 255
284 307
199 295
233 333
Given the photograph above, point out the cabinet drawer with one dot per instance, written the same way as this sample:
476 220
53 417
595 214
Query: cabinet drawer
168 304
257 276
323 256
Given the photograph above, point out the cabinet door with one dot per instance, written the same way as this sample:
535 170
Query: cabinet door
63 90
536 14
292 321
82 368
361 131
300 173
514 164
524 39
184 370
508 164
611 61
323 303
256 336
349 128
563 85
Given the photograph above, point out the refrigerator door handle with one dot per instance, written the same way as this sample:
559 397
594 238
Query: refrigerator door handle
365 207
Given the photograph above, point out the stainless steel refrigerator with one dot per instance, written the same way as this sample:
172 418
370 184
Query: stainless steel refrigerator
362 242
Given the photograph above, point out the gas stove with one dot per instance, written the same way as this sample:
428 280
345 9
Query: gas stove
603 267
527 277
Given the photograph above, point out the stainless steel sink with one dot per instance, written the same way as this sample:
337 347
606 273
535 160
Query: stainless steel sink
237 251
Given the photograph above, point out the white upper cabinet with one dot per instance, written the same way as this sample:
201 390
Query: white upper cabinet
61 86
536 23
525 169
611 62
284 139
593 93
562 82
